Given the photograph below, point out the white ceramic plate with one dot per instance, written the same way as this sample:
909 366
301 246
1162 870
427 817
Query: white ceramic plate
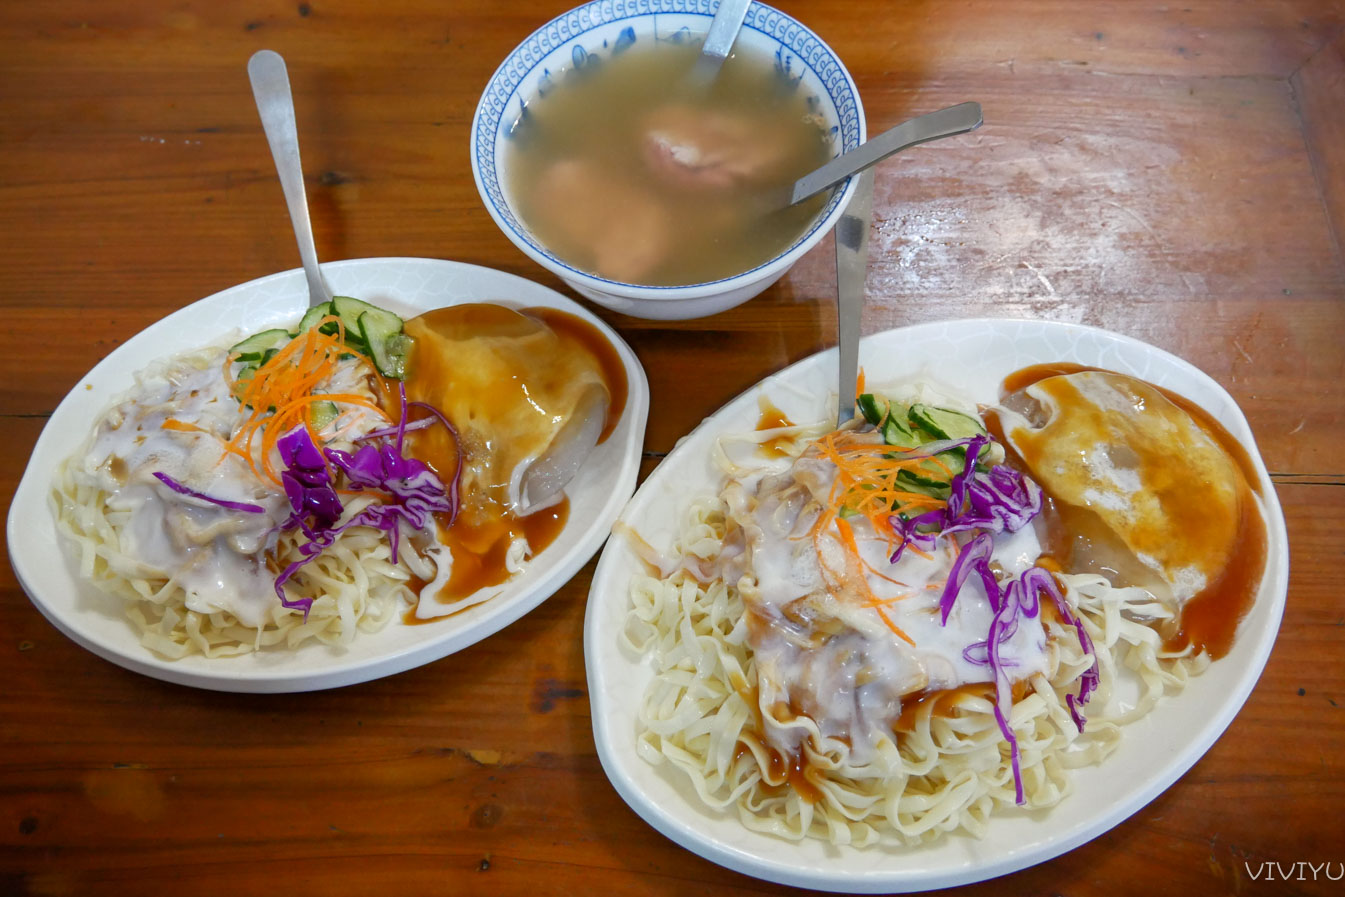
404 285
972 356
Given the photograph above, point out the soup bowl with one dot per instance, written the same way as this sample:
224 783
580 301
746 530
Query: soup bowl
588 34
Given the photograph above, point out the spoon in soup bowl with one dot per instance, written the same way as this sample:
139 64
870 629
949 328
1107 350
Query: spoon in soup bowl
719 40
696 149
947 122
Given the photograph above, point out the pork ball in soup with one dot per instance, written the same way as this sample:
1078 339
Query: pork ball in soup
633 171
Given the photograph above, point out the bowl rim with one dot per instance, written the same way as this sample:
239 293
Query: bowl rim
772 267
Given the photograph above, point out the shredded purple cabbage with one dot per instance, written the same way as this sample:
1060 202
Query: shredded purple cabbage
307 483
996 501
1013 601
986 503
244 506
392 431
413 492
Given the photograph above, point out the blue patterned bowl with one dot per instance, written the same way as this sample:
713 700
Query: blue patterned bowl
603 27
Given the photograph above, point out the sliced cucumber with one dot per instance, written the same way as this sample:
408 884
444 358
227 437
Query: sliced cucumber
312 316
374 332
324 413
945 424
257 345
955 460
369 331
922 485
874 408
349 311
376 324
388 346
897 432
935 473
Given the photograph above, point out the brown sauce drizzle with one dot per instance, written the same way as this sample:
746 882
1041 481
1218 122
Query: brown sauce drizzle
602 350
781 770
940 702
1209 620
480 537
1021 379
773 418
794 770
479 551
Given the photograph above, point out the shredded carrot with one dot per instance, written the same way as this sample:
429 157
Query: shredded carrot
866 481
866 485
859 383
847 536
172 423
280 393
894 627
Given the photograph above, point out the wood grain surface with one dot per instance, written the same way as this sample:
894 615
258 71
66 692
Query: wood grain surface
1171 171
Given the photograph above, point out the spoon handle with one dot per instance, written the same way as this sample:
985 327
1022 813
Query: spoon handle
945 123
852 259
719 41
271 90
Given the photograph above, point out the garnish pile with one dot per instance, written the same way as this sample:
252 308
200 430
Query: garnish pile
278 377
938 475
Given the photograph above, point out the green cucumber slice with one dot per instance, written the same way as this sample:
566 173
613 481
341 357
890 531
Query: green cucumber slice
257 345
897 432
922 485
390 355
388 345
312 316
324 413
945 424
872 407
349 311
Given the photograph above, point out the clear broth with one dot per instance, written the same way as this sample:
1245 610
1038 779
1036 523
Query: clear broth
592 171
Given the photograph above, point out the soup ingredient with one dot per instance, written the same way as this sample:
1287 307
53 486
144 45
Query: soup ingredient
605 221
633 171
710 151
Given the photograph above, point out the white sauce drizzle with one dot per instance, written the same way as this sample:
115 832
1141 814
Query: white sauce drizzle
820 651
216 555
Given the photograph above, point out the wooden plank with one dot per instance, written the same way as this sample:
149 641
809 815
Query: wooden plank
1198 37
1168 171
430 794
1319 87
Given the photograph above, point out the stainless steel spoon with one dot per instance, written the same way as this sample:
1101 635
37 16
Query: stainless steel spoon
723 32
271 89
957 119
852 262
852 231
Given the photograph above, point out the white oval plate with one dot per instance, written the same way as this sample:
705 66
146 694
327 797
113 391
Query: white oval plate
973 357
407 286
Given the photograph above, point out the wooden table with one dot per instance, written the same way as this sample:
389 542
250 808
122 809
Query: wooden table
1175 172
